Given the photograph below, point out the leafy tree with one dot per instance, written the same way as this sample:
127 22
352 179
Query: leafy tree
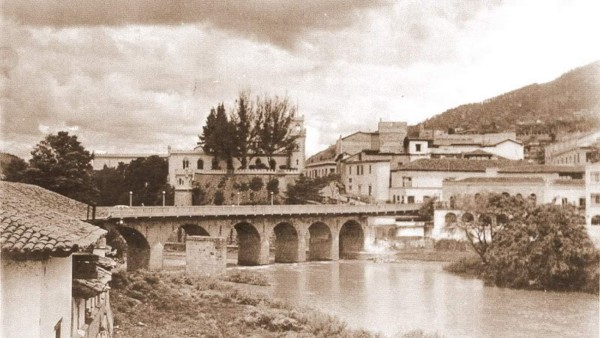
427 209
548 249
13 168
147 178
217 136
485 215
303 190
273 118
111 185
61 164
244 137
198 196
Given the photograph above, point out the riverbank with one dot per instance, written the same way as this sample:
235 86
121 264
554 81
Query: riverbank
170 304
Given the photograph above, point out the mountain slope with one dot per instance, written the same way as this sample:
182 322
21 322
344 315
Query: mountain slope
573 98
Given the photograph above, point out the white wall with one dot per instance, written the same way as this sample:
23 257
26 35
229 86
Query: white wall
378 177
35 296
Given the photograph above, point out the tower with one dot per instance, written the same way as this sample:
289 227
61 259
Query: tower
298 156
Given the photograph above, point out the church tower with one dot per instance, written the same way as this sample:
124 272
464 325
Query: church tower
298 156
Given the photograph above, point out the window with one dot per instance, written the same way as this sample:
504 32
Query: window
370 190
370 171
411 199
349 170
595 199
407 182
200 164
186 163
595 176
418 147
582 203
350 180
359 188
350 187
564 201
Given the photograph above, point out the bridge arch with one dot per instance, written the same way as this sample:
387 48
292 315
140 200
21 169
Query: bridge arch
138 249
286 243
352 238
320 242
249 244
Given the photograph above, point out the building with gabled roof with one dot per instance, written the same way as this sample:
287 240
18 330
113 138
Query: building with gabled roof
40 234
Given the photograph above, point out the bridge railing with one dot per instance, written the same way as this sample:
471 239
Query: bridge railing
256 210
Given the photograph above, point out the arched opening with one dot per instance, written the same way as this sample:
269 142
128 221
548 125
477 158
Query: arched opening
138 249
200 164
286 243
596 220
248 240
177 236
450 218
505 194
352 239
320 242
485 219
467 217
533 198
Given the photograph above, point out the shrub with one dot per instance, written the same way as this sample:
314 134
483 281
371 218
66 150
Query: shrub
219 198
256 183
450 245
273 185
470 265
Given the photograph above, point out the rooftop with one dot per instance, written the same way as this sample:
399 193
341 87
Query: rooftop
502 180
35 222
452 164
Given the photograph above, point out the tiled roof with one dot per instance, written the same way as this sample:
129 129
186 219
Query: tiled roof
451 164
503 180
38 222
523 167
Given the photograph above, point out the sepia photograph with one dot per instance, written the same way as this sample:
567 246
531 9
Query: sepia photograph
315 168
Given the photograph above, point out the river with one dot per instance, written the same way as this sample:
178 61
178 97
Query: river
393 298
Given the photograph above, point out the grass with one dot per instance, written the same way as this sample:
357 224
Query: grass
247 277
171 304
468 265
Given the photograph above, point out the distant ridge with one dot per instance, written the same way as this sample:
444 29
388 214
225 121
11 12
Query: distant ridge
573 99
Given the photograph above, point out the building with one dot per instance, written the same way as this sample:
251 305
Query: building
592 194
185 165
50 285
366 175
574 149
420 180
112 160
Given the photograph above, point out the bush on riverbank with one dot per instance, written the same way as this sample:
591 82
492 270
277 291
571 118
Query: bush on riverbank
545 250
161 304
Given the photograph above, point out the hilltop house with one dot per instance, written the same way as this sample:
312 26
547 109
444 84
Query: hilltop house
53 283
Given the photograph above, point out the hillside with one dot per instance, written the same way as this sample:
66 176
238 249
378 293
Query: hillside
572 101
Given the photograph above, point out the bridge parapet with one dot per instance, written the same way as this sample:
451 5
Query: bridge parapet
259 210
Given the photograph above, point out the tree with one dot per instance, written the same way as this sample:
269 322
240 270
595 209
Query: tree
549 249
303 190
485 215
273 119
147 179
111 185
217 137
244 137
273 186
61 164
13 168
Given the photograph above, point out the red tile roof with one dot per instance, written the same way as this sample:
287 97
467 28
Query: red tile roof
35 222
452 164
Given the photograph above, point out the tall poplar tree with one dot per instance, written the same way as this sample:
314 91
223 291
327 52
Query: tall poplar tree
274 116
243 121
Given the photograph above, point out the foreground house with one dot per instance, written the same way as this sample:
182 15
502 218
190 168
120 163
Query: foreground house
52 283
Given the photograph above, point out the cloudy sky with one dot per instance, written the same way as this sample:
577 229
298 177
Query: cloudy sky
138 75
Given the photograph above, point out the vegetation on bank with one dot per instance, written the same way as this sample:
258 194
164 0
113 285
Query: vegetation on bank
247 277
159 304
526 246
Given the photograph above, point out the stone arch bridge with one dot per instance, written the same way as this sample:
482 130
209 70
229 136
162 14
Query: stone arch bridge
300 232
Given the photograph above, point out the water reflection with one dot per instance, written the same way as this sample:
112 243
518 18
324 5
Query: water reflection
399 297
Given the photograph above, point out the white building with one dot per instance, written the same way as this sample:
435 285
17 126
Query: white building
574 149
367 176
41 232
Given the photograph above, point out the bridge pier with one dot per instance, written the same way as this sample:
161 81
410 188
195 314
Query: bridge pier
156 256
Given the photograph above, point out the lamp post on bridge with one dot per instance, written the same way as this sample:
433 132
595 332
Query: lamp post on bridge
163 198
238 198
131 198
271 193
